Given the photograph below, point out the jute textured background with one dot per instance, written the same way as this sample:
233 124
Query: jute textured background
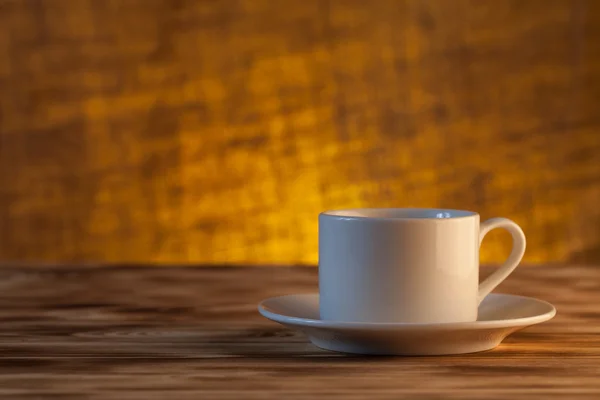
215 131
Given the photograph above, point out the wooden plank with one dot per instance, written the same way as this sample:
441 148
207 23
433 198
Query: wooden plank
215 131
140 333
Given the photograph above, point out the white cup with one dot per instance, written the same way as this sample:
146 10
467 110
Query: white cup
407 265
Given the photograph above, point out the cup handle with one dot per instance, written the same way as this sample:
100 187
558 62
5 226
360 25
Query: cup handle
518 250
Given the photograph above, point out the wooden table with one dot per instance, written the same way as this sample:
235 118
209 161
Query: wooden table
194 333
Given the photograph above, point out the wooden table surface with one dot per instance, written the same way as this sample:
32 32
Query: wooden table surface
194 333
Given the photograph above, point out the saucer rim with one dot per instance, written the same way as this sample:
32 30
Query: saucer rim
493 324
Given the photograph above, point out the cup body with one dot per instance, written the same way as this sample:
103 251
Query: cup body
399 265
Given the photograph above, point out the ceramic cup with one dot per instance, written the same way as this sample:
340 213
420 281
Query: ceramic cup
406 265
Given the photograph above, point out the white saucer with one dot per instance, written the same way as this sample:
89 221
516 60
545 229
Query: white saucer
499 316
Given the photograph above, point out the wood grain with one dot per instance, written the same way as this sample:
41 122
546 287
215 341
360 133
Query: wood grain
174 131
195 333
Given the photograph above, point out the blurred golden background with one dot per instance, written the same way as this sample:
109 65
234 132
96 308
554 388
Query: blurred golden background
215 131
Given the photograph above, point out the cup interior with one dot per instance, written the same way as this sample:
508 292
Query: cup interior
400 213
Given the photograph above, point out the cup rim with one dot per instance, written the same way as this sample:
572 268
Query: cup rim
402 214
